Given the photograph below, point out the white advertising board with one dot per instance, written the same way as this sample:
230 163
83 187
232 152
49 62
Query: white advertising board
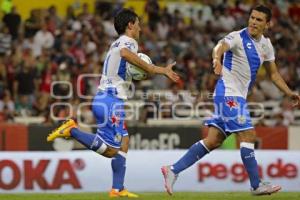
85 171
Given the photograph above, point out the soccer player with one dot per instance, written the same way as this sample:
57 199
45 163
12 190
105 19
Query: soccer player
244 52
111 139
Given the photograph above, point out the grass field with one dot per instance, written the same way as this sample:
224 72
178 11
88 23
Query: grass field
156 196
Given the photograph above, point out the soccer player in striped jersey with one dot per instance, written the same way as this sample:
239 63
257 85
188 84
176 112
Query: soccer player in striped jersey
111 139
244 52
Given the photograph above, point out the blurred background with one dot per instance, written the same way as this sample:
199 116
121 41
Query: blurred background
52 53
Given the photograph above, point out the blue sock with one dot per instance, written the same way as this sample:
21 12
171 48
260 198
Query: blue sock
118 165
91 141
248 157
195 153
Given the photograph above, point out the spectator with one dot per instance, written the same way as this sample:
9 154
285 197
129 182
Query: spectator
32 24
54 18
3 79
7 106
5 42
25 83
152 10
227 22
42 39
13 20
76 45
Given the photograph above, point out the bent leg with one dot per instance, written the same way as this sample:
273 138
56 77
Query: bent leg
91 141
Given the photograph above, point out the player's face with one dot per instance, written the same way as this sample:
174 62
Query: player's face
257 23
136 29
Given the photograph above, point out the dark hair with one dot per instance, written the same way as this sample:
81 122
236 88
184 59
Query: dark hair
263 9
122 19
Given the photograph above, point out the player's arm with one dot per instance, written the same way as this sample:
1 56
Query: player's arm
217 53
133 59
279 82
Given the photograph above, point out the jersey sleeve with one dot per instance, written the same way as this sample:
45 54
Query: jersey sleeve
130 44
231 39
270 56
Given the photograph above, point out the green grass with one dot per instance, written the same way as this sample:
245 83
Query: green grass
156 196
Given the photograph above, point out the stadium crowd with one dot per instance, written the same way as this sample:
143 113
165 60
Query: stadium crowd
46 47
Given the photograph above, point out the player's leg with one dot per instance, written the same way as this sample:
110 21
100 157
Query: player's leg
69 129
197 151
247 139
89 140
118 165
101 107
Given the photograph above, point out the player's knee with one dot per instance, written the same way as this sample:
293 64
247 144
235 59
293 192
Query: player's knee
110 152
248 137
108 155
213 144
217 144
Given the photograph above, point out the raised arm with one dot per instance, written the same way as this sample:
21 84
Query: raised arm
217 53
279 82
132 58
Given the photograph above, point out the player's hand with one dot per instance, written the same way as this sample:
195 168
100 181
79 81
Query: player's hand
170 73
217 67
296 100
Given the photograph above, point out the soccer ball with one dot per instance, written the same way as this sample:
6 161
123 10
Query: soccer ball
138 73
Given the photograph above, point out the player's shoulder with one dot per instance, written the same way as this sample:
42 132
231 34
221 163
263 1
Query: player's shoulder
266 41
124 38
128 41
234 34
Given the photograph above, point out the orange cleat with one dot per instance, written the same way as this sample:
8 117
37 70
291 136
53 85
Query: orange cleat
123 193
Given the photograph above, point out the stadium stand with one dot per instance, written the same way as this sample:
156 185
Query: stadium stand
44 48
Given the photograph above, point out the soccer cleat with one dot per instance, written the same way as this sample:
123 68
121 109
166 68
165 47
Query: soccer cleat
170 178
126 193
265 188
113 193
63 130
123 193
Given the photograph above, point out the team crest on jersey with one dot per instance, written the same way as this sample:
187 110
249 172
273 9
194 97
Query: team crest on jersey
118 137
232 104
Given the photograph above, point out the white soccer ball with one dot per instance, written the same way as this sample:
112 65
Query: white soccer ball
138 73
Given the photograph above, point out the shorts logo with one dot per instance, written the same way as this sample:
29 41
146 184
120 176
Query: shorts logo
231 104
118 137
241 119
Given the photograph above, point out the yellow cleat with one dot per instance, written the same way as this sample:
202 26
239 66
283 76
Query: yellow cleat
123 193
126 193
63 130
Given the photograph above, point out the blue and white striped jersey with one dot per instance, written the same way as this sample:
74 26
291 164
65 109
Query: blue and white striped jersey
114 68
241 63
